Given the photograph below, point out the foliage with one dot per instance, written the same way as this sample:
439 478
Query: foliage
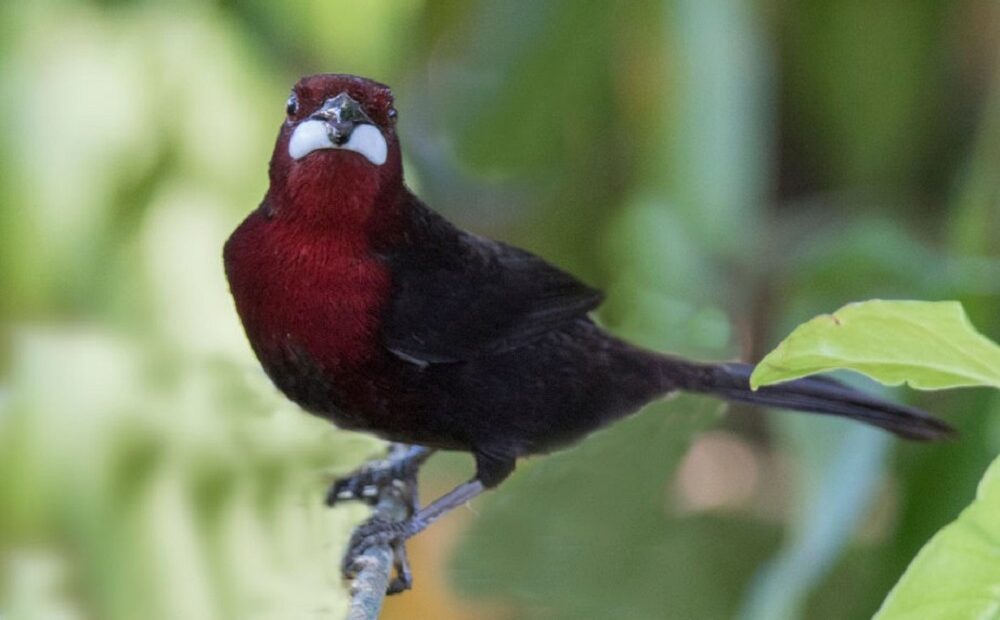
613 549
957 574
194 496
930 346
924 344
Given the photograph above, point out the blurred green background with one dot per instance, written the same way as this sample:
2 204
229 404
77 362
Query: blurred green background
725 169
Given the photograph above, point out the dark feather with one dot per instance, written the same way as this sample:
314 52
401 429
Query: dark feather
816 394
458 296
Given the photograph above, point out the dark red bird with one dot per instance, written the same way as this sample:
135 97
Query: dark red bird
369 309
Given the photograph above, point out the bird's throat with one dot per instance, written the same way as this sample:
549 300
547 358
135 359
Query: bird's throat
336 192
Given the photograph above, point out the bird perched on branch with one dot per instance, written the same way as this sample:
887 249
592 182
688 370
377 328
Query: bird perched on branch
369 309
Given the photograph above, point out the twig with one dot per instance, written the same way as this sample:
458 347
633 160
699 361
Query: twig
375 565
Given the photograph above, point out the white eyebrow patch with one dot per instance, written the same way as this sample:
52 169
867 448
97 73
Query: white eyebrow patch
312 135
308 137
368 140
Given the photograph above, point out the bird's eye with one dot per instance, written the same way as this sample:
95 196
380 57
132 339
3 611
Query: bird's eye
292 105
392 114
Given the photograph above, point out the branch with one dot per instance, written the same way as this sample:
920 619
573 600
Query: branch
368 588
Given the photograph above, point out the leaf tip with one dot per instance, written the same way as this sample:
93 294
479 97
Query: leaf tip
758 378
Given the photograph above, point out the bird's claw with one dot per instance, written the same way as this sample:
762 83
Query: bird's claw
394 476
367 482
379 532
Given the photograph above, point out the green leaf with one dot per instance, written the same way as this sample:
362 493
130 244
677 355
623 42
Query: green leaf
929 345
957 574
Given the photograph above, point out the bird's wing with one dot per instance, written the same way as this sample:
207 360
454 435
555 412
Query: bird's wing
457 296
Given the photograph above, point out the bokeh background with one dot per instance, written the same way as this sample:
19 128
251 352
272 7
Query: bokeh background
725 169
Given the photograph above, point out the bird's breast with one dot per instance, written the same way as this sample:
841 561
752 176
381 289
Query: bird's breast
311 295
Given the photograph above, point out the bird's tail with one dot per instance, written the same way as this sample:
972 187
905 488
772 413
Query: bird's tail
731 381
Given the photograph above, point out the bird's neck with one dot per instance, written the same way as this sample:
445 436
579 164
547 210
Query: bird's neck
350 201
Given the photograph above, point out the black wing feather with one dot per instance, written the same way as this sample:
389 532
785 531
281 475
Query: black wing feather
457 296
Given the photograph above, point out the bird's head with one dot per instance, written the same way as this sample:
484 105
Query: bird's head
337 154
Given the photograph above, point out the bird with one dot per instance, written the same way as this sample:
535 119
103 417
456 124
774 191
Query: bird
369 309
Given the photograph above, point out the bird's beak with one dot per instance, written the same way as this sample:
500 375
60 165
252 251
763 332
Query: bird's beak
340 123
340 114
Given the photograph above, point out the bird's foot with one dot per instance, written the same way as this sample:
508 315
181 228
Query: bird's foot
378 532
392 530
367 482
